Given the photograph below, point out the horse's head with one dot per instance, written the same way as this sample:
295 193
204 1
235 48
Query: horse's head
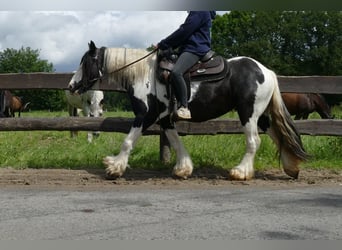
90 70
321 106
95 102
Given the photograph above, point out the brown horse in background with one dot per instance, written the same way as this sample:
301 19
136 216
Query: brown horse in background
302 104
11 104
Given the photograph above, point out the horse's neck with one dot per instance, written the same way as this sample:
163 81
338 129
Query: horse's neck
314 99
96 86
116 60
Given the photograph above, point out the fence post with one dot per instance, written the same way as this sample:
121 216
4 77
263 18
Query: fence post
164 148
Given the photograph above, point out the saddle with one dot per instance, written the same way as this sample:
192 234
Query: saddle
209 68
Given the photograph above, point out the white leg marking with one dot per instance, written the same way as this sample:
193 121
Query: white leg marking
245 170
184 166
116 165
90 137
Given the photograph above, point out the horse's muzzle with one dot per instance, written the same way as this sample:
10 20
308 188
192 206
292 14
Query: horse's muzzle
76 87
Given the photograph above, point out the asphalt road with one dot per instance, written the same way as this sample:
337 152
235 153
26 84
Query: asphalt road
141 213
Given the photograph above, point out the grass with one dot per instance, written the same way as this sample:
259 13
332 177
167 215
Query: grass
54 149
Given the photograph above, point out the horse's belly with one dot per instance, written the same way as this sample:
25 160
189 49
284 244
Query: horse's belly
209 101
204 110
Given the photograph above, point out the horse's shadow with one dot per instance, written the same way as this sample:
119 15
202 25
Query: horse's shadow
150 167
199 173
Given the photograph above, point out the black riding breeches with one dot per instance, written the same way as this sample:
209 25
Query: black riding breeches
185 61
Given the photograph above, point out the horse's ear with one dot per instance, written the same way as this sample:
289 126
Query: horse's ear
92 46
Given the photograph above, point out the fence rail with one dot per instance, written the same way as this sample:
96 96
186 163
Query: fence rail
309 84
317 127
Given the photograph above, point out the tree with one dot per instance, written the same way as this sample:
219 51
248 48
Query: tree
26 60
289 42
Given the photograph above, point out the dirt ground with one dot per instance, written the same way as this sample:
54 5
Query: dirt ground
138 178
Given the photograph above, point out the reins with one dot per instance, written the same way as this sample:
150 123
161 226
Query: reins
138 60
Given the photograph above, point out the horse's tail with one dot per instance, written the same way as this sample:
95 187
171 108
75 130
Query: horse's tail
285 134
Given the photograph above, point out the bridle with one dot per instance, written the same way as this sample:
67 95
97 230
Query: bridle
84 85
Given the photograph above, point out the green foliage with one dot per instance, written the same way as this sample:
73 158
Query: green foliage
114 101
51 100
26 60
290 42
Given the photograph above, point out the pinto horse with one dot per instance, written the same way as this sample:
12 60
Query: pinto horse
302 104
248 87
91 104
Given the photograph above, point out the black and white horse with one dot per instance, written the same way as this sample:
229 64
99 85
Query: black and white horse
248 87
91 105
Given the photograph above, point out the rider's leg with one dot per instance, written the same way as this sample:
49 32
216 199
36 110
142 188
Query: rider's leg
185 61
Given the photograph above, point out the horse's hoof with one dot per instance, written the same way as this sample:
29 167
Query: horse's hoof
179 176
182 173
114 169
237 174
113 174
109 176
294 173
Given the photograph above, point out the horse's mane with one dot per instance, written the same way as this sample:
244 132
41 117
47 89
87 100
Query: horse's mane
116 58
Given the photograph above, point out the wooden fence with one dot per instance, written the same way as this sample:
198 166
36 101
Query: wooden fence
304 84
312 84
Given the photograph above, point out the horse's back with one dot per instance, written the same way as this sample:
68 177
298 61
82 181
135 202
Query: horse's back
292 102
17 103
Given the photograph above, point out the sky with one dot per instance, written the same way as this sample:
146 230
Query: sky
61 29
62 36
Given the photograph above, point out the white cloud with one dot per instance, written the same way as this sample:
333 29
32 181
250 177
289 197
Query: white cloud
62 36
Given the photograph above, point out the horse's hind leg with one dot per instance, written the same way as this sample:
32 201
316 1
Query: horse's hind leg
245 170
249 116
184 166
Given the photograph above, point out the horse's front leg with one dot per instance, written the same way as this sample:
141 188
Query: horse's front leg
184 166
116 165
245 170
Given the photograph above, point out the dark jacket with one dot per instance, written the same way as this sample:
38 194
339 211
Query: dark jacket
193 35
